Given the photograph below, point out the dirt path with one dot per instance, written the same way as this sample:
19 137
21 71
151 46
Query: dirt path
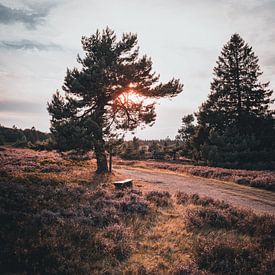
260 201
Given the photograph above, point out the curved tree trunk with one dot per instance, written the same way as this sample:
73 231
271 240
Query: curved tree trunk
101 159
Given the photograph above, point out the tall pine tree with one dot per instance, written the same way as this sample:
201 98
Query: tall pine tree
237 99
236 123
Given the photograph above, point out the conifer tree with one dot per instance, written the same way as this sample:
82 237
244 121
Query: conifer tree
237 99
236 123
106 95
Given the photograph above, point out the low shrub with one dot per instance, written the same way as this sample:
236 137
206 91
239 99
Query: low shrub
207 217
263 182
117 233
134 203
184 198
161 199
231 218
52 168
120 237
224 254
57 228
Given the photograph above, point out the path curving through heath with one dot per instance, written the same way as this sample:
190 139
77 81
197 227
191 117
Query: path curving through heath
258 200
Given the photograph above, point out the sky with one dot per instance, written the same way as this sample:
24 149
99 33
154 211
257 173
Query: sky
40 39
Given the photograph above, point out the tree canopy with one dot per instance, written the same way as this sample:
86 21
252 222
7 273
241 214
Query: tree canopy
107 95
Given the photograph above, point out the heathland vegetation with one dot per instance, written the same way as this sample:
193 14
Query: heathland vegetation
55 220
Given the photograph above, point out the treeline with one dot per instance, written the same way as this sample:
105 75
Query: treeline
164 149
30 138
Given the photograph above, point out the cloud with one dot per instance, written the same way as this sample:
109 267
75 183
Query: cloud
30 14
19 106
28 45
11 15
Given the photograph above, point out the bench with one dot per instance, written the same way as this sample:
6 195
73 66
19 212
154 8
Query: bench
128 183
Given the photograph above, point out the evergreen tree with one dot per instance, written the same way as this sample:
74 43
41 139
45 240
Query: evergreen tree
237 98
235 124
186 133
97 105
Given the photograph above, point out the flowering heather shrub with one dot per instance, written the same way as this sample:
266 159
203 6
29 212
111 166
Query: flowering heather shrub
117 232
16 160
223 254
207 216
231 218
134 203
57 228
184 198
264 182
128 201
47 244
103 217
52 168
259 179
120 237
161 199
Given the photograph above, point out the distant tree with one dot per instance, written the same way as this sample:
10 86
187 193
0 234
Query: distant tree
187 128
31 135
131 149
186 133
236 122
135 143
97 104
156 149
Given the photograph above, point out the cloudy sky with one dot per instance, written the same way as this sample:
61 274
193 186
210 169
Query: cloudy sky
39 39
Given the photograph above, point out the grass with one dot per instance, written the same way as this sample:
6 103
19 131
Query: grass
258 179
66 221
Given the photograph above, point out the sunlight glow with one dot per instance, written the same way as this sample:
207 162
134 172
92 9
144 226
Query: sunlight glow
130 97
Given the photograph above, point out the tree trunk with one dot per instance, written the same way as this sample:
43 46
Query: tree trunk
239 95
110 162
101 159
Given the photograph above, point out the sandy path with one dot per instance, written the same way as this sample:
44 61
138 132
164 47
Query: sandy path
260 201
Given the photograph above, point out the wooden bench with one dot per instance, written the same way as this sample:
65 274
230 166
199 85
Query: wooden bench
128 183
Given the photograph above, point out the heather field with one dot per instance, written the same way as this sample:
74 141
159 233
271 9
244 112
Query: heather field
259 179
58 217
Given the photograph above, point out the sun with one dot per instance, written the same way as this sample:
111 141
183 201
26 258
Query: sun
130 96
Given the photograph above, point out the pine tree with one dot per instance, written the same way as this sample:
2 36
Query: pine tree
186 133
237 98
98 104
236 123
